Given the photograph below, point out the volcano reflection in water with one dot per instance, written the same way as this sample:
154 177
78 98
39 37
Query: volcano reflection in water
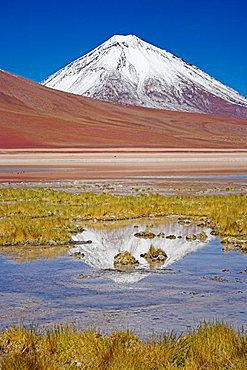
108 241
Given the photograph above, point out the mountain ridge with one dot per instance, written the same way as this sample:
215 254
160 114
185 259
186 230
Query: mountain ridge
34 116
130 71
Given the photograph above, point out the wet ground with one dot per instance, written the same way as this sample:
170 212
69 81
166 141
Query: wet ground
197 282
165 185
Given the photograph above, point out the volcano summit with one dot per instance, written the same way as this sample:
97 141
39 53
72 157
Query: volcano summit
127 70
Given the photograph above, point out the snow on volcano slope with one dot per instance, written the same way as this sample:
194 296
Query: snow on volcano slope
127 70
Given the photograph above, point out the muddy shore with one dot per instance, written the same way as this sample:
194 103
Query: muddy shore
119 164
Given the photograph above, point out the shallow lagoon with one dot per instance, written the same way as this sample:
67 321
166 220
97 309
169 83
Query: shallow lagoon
198 281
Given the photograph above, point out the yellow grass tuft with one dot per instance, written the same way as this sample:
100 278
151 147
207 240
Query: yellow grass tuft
211 347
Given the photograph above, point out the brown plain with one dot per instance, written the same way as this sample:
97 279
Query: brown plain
68 136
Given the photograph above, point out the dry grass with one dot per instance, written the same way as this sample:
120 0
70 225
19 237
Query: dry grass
44 216
211 347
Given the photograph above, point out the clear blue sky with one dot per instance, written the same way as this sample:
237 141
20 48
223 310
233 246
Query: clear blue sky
40 37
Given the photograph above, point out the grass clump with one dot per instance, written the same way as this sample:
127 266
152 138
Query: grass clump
211 347
125 259
155 255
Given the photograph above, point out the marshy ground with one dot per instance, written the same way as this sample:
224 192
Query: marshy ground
42 216
36 226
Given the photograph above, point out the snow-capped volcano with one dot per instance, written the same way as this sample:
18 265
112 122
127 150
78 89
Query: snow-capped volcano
127 70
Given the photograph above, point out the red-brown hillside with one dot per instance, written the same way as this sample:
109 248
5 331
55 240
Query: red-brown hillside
35 116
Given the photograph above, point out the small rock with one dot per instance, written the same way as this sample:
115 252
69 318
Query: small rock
218 279
238 280
76 242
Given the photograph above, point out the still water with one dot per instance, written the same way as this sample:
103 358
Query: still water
197 281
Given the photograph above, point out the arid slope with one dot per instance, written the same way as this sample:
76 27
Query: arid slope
33 116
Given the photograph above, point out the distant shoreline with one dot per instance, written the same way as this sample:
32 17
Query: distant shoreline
117 163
